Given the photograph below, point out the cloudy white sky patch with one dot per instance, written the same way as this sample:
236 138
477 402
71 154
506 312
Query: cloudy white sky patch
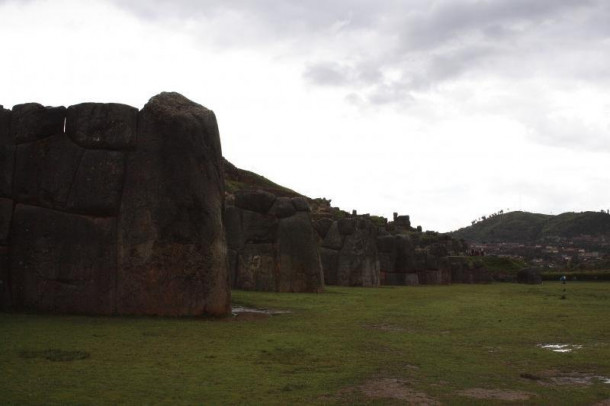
444 110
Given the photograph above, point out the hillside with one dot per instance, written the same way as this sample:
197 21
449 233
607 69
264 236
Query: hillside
240 179
524 227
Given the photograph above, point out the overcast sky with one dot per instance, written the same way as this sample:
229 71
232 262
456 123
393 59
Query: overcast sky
443 110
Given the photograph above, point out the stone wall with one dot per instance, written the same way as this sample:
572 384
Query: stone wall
272 246
406 262
348 251
357 251
105 209
365 250
361 250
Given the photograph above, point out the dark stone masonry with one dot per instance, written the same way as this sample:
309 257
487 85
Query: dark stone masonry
348 251
272 244
357 251
105 209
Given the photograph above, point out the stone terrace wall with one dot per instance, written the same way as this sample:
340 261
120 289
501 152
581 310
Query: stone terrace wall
272 244
105 209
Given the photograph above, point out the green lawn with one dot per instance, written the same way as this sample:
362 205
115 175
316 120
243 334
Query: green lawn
345 346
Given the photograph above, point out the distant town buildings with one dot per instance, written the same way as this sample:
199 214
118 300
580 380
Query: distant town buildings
585 251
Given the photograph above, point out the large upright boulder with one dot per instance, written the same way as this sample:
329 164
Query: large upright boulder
172 249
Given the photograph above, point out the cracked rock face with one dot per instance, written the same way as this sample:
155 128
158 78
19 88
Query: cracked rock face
121 213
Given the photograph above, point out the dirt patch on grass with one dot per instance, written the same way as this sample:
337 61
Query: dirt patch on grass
55 355
605 402
387 388
496 394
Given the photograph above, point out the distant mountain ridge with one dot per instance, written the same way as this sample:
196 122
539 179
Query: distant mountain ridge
525 227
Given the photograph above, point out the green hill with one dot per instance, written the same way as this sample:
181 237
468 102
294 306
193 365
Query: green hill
524 227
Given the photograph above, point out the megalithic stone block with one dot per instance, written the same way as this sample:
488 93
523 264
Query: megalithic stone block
102 125
172 249
300 269
61 262
32 122
45 170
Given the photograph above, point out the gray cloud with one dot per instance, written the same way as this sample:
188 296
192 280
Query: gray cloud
448 21
288 17
448 32
384 53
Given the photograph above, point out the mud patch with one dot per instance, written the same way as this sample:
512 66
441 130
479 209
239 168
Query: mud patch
387 388
496 394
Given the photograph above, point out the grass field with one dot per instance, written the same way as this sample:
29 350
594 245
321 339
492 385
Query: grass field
459 344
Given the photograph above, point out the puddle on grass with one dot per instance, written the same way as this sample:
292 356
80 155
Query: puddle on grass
579 379
271 312
554 377
560 347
